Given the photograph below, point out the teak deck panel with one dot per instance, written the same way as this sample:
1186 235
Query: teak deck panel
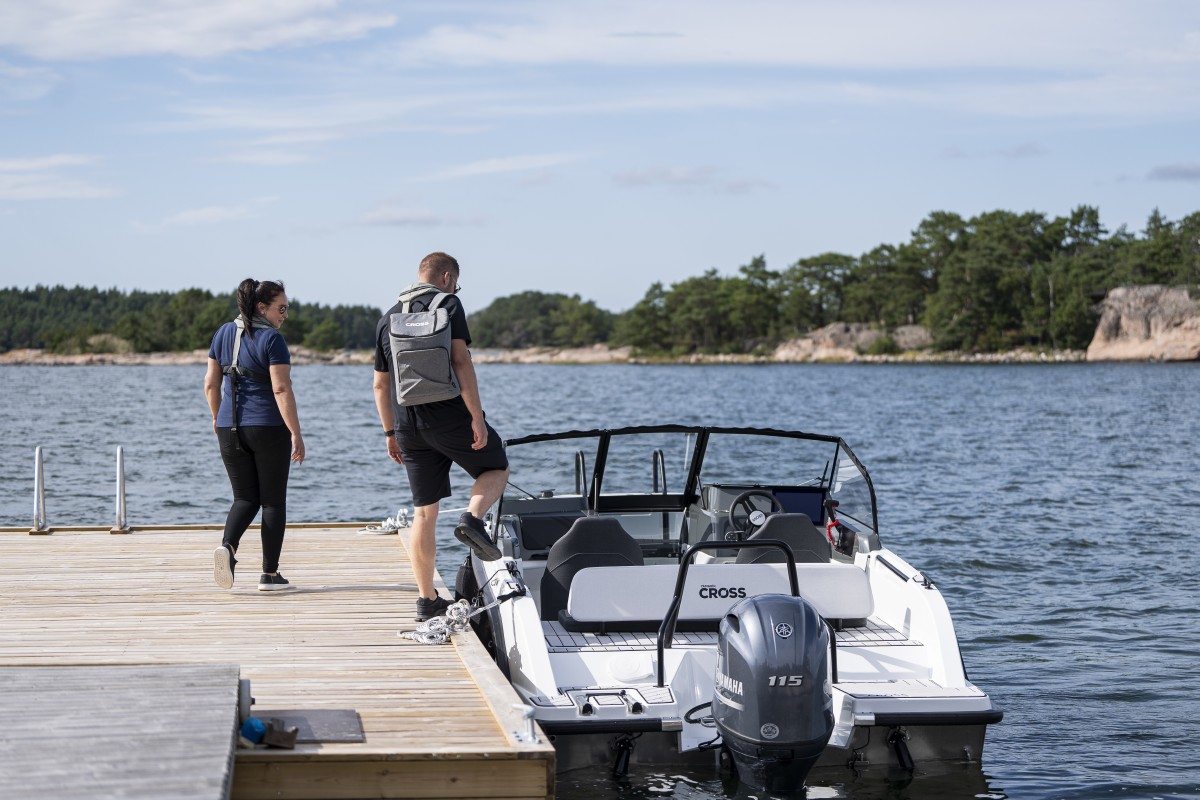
439 720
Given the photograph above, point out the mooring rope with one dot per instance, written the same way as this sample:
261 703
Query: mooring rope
389 525
438 630
403 519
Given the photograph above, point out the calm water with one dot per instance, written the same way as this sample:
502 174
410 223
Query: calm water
1055 506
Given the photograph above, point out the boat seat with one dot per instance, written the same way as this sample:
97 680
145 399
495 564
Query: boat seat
797 531
590 542
625 599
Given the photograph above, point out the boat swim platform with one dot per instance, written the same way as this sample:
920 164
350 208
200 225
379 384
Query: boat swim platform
438 721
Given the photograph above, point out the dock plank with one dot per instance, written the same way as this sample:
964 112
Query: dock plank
438 719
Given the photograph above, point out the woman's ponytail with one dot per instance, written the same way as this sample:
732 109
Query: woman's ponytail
247 303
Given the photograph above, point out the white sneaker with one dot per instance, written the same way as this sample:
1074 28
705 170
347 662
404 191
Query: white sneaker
223 562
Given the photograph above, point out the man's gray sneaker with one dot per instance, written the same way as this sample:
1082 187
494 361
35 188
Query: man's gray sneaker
223 562
470 531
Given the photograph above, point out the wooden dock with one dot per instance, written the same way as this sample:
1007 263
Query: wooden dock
439 721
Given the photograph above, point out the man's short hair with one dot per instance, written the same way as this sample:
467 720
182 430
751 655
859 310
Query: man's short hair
436 264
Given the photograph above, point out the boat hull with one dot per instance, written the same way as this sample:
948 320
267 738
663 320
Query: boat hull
870 749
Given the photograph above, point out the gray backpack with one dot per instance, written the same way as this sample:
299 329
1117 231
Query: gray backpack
420 342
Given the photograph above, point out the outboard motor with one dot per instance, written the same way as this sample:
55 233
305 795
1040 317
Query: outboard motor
772 700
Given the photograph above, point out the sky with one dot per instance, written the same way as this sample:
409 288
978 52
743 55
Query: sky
588 148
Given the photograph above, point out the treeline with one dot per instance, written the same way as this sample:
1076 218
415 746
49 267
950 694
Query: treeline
84 320
993 282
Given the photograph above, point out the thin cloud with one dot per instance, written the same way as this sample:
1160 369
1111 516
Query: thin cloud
645 35
293 131
744 186
267 158
207 215
1083 57
60 30
43 186
282 149
1025 150
1176 172
296 138
204 78
861 35
690 178
493 166
23 84
39 178
39 163
665 176
395 216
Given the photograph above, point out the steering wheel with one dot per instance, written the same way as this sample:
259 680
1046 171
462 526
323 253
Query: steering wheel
751 517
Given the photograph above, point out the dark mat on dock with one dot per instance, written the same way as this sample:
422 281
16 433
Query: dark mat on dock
319 725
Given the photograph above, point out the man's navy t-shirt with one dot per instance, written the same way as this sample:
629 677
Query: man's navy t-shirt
256 400
426 415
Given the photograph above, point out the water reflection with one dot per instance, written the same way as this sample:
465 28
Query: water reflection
951 782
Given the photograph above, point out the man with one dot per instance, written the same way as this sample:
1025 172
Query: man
427 438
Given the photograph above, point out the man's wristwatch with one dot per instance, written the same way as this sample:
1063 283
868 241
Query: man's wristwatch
389 432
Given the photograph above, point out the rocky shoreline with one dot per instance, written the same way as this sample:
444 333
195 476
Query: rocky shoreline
598 354
1142 323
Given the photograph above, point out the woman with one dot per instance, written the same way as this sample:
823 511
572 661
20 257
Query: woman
249 391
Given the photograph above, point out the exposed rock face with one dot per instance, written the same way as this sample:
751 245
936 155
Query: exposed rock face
840 341
1138 323
844 341
913 337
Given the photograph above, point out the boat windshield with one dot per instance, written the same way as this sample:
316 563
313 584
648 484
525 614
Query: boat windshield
552 467
819 467
854 495
648 463
594 470
761 460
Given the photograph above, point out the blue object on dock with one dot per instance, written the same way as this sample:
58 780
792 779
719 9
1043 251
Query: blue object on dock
253 730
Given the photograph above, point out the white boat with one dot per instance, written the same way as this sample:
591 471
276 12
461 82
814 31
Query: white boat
672 593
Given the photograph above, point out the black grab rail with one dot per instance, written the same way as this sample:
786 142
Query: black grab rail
666 631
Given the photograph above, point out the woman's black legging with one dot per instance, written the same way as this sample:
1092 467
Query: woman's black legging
257 460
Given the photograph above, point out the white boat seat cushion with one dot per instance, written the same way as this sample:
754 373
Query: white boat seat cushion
611 594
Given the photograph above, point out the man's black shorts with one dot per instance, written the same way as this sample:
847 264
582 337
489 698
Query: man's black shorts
429 452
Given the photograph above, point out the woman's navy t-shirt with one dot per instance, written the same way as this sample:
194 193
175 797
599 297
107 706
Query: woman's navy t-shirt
256 400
